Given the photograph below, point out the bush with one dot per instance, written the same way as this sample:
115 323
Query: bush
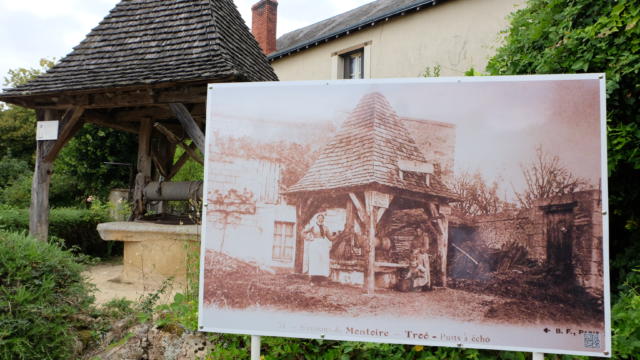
77 227
41 288
63 190
591 36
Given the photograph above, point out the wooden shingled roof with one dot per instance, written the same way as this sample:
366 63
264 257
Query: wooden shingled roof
365 151
147 42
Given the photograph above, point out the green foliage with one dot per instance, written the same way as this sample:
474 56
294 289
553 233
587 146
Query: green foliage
183 312
41 289
432 71
80 168
11 169
22 76
626 324
77 227
17 133
83 159
118 308
17 124
63 190
190 171
273 348
569 36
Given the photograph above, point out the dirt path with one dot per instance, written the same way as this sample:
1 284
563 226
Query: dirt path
236 284
106 278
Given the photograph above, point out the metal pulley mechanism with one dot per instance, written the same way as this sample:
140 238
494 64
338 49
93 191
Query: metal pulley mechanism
172 191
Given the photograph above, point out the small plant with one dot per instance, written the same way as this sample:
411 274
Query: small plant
431 71
147 303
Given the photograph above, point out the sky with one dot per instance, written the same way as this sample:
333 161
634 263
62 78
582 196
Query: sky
499 125
34 29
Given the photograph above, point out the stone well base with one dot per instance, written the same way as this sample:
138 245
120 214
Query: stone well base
154 251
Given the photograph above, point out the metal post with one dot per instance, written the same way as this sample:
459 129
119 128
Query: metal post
537 356
255 347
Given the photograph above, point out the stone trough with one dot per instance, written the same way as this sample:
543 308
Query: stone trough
152 251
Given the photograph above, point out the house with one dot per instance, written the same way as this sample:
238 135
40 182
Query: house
386 39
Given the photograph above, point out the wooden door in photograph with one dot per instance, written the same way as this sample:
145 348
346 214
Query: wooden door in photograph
560 233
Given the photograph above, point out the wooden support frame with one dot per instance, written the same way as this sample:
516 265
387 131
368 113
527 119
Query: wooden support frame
305 209
190 126
46 153
438 214
181 161
374 211
144 167
69 126
176 140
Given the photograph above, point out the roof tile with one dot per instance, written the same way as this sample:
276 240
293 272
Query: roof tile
366 151
151 41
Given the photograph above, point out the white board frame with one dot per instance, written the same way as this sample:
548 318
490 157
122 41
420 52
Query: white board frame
212 88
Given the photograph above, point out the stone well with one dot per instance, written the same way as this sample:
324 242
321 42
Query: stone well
154 251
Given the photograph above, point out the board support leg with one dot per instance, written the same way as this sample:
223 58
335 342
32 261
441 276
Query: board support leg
255 347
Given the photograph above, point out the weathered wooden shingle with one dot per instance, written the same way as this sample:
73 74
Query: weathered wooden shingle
366 151
143 42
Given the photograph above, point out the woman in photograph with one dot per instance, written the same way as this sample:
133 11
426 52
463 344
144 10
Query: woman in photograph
318 244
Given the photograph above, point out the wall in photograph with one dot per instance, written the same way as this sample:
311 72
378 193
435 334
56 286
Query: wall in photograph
448 212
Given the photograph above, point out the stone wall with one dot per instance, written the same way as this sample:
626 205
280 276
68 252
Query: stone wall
580 218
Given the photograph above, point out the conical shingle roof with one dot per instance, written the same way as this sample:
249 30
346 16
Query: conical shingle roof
142 42
366 151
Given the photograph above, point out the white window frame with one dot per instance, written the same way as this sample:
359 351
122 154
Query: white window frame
337 60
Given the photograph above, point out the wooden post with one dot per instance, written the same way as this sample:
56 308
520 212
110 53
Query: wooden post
299 257
444 249
46 153
369 275
439 214
39 208
144 166
190 126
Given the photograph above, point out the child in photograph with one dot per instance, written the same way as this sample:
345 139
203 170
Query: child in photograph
419 270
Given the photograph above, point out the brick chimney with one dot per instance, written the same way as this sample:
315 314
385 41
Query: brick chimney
263 24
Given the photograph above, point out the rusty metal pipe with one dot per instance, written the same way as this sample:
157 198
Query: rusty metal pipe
171 191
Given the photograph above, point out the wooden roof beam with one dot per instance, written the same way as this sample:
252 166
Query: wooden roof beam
102 119
70 124
190 126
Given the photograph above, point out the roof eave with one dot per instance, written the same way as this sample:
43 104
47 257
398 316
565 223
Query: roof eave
348 30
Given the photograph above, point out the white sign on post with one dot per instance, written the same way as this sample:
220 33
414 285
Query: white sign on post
295 159
47 130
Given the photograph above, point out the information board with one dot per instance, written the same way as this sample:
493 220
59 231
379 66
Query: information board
465 212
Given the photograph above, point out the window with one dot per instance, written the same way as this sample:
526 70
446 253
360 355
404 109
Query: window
353 64
283 240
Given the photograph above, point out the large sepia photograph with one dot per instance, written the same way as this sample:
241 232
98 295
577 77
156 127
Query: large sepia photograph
465 212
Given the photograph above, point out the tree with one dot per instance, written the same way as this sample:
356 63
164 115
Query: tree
17 124
84 157
567 36
547 177
477 196
80 166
